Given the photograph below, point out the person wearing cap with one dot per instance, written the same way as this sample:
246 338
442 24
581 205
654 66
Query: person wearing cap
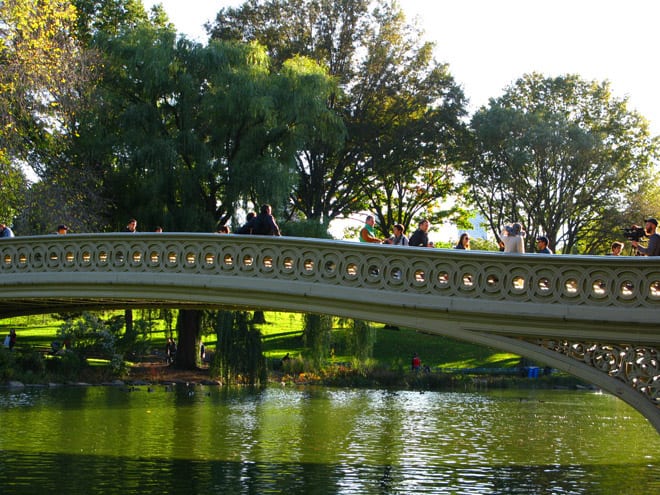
62 229
542 245
653 247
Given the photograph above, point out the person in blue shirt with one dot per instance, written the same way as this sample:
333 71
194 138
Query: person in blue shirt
5 231
542 245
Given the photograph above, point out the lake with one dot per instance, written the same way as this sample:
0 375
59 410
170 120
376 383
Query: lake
312 440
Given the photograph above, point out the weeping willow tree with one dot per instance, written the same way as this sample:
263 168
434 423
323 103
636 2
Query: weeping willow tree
239 357
317 336
186 134
360 338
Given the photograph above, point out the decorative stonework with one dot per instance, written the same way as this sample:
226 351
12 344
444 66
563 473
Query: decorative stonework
636 366
597 282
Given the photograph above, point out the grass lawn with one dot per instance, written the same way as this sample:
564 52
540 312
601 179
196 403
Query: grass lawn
282 334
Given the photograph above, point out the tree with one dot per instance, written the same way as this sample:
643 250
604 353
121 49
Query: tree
555 154
52 102
317 335
37 54
381 66
184 134
633 208
14 186
411 125
239 353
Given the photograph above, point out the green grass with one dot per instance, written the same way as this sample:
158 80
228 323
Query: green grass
282 334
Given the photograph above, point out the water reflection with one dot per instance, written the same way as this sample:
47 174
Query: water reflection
110 440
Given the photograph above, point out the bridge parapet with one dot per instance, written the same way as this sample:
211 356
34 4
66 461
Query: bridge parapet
626 282
590 288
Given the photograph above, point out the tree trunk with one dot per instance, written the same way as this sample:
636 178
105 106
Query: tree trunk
128 321
189 331
258 318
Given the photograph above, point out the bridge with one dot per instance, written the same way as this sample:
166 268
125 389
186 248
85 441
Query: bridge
593 317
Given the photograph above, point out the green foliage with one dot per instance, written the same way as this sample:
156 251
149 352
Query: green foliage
31 361
14 187
306 228
317 335
238 357
68 366
7 364
206 129
361 337
38 65
400 109
90 336
558 155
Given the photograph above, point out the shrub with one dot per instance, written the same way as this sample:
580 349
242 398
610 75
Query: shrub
7 364
31 360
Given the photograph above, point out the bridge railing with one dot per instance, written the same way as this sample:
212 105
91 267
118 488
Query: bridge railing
599 282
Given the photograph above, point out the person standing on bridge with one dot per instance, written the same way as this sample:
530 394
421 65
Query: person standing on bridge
368 233
5 231
248 226
264 222
616 249
131 227
463 242
513 238
653 246
420 237
398 238
542 244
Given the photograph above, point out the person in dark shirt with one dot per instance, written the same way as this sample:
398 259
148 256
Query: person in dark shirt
542 244
264 222
420 237
653 247
131 226
247 227
463 242
5 231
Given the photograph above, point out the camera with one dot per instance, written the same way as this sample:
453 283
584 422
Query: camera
634 233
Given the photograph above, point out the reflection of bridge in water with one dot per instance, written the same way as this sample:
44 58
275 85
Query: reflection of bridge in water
594 317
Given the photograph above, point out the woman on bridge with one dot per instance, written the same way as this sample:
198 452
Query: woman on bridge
463 242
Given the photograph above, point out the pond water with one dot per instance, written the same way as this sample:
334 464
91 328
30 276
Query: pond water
205 440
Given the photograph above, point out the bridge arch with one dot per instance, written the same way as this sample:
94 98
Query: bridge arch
594 317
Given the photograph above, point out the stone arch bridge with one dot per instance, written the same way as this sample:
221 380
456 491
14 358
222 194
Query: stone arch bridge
594 317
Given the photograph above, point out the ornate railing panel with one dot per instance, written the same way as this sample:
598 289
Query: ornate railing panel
557 286
636 366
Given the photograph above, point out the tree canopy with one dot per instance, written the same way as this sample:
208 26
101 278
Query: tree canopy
555 154
391 91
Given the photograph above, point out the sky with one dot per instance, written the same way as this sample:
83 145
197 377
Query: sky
489 44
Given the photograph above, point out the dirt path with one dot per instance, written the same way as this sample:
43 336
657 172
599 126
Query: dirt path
159 372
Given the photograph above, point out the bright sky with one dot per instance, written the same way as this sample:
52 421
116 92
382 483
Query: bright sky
488 44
